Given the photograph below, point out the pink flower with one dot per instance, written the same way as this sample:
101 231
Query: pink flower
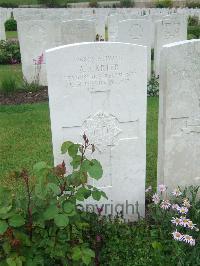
165 204
176 192
98 238
175 221
188 239
177 236
175 206
156 198
182 210
162 188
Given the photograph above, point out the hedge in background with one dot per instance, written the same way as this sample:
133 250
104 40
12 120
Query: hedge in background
9 52
11 25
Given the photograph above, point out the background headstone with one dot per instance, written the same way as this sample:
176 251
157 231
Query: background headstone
179 115
137 31
168 31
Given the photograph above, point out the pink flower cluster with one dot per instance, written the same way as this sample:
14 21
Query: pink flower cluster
39 60
185 238
161 200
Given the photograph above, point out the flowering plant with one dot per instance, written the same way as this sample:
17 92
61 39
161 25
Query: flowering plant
43 225
177 209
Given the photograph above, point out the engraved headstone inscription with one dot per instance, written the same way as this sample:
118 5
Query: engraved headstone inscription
179 115
100 89
137 31
168 31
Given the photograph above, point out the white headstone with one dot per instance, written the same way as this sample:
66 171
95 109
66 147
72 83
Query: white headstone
168 31
35 36
179 115
3 18
100 89
78 30
137 31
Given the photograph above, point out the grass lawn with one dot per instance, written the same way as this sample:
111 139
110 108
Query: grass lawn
11 35
10 70
26 137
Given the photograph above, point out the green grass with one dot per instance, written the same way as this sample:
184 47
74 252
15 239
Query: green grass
11 35
11 70
26 138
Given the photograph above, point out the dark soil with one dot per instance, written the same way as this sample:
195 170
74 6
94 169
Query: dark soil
25 97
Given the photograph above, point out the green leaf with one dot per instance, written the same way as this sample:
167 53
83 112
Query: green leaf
88 252
38 167
40 192
65 146
61 220
73 149
85 165
3 227
103 194
68 207
16 220
86 259
5 210
54 188
50 212
76 161
95 170
76 253
96 194
83 193
11 262
6 247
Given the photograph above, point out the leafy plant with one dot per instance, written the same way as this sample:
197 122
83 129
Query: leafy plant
149 241
8 85
8 5
11 25
193 21
164 3
193 4
153 86
93 3
9 52
127 3
194 32
30 86
44 225
49 3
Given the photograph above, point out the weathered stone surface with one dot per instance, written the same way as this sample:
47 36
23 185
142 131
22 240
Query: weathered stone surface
137 31
100 89
179 115
168 31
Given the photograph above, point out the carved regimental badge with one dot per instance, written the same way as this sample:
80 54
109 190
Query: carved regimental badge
102 130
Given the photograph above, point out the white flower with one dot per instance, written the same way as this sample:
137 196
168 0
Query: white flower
156 198
186 203
177 236
182 210
188 239
175 221
184 221
162 188
175 206
165 204
176 192
191 225
148 189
